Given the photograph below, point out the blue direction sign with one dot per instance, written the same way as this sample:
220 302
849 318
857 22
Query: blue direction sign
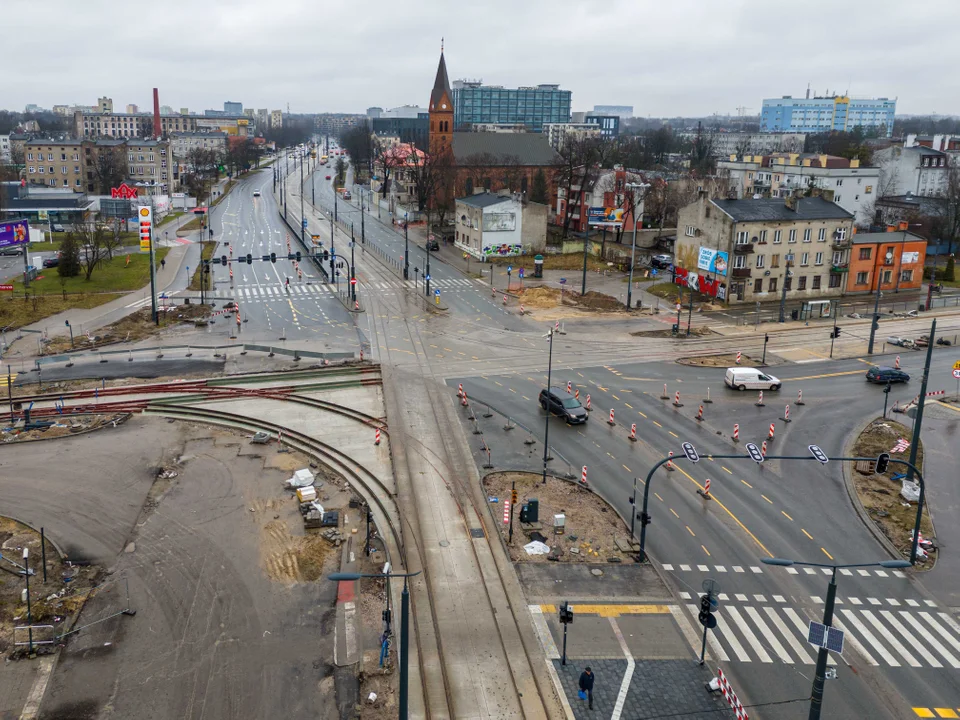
520 273
563 281
436 292
304 223
653 272
509 268
426 277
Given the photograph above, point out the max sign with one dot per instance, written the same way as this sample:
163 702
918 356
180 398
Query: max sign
701 283
124 192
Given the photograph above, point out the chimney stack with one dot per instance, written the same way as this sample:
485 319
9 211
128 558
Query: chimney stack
156 114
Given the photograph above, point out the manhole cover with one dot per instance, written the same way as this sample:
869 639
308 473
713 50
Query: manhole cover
444 543
476 532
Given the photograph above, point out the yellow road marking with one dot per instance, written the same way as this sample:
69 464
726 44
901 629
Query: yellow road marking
784 513
657 424
658 497
827 375
512 390
767 499
626 468
614 396
495 382
629 405
580 374
690 531
947 405
673 433
747 484
640 414
867 362
675 513
525 397
612 610
826 553
924 712
806 533
725 470
706 551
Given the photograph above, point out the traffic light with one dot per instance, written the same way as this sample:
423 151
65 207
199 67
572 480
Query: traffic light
883 460
835 333
705 616
513 496
298 256
817 453
326 254
249 259
754 452
223 259
273 257
566 614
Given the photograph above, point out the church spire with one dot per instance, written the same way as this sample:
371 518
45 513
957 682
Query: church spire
441 86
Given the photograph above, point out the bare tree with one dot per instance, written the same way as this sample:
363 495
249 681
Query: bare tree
358 142
109 166
579 165
94 241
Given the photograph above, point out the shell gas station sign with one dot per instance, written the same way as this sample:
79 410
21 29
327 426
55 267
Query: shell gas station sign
145 219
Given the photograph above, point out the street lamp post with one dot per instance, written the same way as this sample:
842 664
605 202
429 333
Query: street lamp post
783 293
404 627
816 695
302 216
546 421
633 246
406 250
875 320
426 270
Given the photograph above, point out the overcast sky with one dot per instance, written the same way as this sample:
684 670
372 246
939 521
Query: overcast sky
664 57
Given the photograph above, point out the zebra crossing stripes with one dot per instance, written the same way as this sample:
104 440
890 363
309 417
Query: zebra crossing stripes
778 633
757 570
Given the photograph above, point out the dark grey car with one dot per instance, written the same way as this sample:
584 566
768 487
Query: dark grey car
562 403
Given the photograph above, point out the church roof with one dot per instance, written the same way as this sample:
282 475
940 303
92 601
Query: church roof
483 148
441 85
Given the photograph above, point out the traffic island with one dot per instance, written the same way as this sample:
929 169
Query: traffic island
559 521
883 499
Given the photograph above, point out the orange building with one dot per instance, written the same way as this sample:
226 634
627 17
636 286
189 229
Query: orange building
894 259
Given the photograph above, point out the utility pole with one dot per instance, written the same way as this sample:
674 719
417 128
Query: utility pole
816 695
586 244
302 216
353 267
783 293
406 250
633 253
546 422
918 419
426 271
875 322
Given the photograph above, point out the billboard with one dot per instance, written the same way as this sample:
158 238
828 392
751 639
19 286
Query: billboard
713 261
605 217
700 283
14 233
499 222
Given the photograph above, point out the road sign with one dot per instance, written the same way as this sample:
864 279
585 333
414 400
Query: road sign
956 373
426 277
827 637
520 273
6 288
653 272
509 269
353 281
563 281
956 365
437 293
754 452
818 454
691 452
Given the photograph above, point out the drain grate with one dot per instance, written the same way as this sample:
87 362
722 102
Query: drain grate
476 532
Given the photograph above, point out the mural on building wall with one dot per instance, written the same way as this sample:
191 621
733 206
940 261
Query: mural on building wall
503 250
499 222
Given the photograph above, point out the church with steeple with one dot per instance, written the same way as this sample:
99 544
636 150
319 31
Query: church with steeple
485 160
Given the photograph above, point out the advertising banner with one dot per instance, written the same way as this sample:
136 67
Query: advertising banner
605 217
701 283
713 261
14 233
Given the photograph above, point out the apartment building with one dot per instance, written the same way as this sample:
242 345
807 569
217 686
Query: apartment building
915 170
55 163
827 113
886 261
745 250
845 182
72 164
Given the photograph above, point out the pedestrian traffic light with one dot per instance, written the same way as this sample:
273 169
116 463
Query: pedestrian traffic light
249 259
223 259
298 256
566 613
705 603
273 257
883 460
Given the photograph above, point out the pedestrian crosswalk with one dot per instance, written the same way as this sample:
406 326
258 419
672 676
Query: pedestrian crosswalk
277 291
757 570
895 638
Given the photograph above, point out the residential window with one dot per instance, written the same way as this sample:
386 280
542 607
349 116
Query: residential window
816 282
818 259
63 169
841 233
743 237
30 157
862 278
775 261
52 182
807 234
763 237
865 253
836 199
834 280
758 285
78 182
63 156
788 283
802 282
51 170
690 231
32 169
739 261
49 156
772 285
40 170
886 276
906 275
803 259
822 235
792 237
777 236
759 261
839 182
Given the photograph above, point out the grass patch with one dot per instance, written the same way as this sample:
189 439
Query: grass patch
133 327
47 296
170 218
194 224
567 261
206 252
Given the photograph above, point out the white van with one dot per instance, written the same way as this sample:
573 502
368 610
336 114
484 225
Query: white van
747 378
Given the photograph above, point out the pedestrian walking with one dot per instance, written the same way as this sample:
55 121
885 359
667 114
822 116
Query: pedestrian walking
163 263
586 686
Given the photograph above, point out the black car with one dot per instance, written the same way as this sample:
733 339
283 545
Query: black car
661 262
884 375
51 262
433 245
562 403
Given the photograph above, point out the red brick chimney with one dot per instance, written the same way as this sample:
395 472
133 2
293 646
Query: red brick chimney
156 114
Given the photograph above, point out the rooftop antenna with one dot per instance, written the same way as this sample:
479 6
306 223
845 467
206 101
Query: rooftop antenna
441 45
808 91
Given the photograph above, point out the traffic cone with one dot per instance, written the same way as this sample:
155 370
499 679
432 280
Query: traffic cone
665 395
460 390
569 386
583 475
377 440
896 363
522 311
800 397
786 414
763 448
463 400
576 394
705 493
588 402
504 299
770 434
739 355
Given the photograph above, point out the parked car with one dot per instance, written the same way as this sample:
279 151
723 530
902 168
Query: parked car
899 341
51 262
347 195
562 403
661 262
57 227
433 245
748 378
12 250
883 375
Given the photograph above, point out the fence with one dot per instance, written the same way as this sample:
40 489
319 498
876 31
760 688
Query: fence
863 308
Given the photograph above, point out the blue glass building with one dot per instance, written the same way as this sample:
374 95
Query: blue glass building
823 114
474 102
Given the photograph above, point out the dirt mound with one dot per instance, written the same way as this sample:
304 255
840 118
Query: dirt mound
594 301
540 297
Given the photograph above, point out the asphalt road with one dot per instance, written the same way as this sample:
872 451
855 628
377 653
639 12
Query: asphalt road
798 510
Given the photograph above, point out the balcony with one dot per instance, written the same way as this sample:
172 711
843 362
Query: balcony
743 248
839 268
741 272
840 244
